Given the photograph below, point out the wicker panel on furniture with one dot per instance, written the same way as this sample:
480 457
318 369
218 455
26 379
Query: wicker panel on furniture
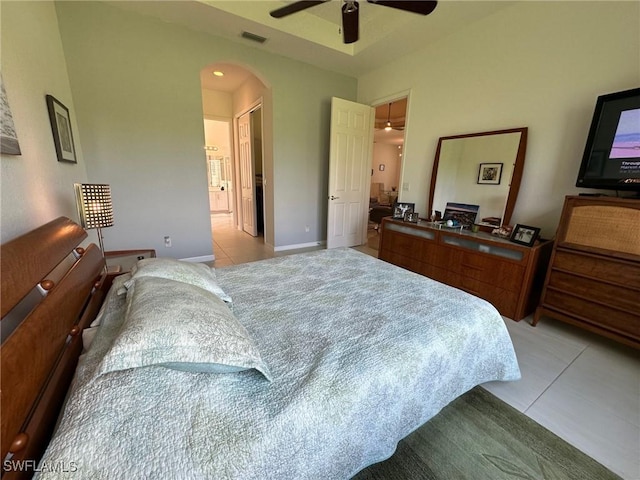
594 276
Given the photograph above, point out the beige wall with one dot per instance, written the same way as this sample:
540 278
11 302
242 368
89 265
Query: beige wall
387 154
136 87
217 104
35 187
536 64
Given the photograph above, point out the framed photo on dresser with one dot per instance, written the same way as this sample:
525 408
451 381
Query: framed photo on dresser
402 208
524 235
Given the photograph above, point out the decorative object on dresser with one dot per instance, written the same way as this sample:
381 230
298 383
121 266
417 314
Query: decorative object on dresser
508 275
412 217
462 214
524 235
400 209
594 275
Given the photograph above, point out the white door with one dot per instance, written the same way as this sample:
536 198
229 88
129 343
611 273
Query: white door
349 170
247 179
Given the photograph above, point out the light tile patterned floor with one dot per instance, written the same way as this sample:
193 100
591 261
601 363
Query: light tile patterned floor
584 388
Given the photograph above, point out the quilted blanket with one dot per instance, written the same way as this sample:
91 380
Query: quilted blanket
361 353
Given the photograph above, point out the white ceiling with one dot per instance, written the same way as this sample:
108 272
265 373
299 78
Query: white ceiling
313 35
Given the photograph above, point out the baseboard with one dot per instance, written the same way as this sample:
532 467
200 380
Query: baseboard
298 245
204 258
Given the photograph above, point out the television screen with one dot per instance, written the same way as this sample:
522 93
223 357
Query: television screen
612 153
626 142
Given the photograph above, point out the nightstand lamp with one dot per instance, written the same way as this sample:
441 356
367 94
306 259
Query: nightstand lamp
94 207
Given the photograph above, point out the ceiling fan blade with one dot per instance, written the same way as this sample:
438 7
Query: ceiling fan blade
423 7
295 7
350 15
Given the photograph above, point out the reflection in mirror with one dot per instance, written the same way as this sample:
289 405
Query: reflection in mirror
481 169
214 171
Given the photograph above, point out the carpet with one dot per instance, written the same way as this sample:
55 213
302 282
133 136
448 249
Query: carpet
478 436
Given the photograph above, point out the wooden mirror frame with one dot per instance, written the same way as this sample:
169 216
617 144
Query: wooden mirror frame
517 168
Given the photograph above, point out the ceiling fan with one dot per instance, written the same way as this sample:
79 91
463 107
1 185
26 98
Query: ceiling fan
351 8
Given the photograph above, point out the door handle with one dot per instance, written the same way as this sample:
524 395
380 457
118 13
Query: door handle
334 198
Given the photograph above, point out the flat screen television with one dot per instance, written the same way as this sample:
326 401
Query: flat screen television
611 159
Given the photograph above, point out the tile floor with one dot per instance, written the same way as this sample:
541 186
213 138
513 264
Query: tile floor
232 246
584 388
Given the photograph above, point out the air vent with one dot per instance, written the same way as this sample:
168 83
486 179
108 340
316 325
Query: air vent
254 37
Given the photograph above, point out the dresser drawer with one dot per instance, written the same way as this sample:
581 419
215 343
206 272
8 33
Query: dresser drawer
442 275
601 268
407 245
441 257
596 291
487 269
505 301
403 261
603 316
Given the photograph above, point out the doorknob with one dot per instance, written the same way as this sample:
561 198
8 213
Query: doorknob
334 198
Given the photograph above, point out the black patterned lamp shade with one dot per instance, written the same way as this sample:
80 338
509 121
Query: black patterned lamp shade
94 205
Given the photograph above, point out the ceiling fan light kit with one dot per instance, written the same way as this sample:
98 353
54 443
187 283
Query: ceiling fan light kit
350 12
350 21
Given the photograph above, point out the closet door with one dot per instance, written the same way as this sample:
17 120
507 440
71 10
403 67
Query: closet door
247 178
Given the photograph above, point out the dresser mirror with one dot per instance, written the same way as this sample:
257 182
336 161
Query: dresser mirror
481 169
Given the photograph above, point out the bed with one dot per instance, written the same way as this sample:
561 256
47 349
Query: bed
320 363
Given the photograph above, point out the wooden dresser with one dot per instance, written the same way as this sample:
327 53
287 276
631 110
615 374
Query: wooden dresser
594 276
508 275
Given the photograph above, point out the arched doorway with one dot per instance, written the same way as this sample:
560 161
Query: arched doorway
238 164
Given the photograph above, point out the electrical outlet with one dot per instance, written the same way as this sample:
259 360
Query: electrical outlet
167 241
405 187
306 228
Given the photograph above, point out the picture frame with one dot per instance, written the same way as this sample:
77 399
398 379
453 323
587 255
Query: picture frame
411 217
9 144
461 214
401 208
524 234
490 173
61 129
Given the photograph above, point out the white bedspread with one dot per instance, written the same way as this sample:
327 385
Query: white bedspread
361 353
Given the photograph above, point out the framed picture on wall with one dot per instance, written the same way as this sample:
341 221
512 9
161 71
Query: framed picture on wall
490 173
9 144
61 129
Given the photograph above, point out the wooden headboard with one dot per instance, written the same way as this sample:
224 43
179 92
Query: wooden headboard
39 357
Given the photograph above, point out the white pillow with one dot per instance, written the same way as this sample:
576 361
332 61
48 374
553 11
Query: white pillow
183 327
197 274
